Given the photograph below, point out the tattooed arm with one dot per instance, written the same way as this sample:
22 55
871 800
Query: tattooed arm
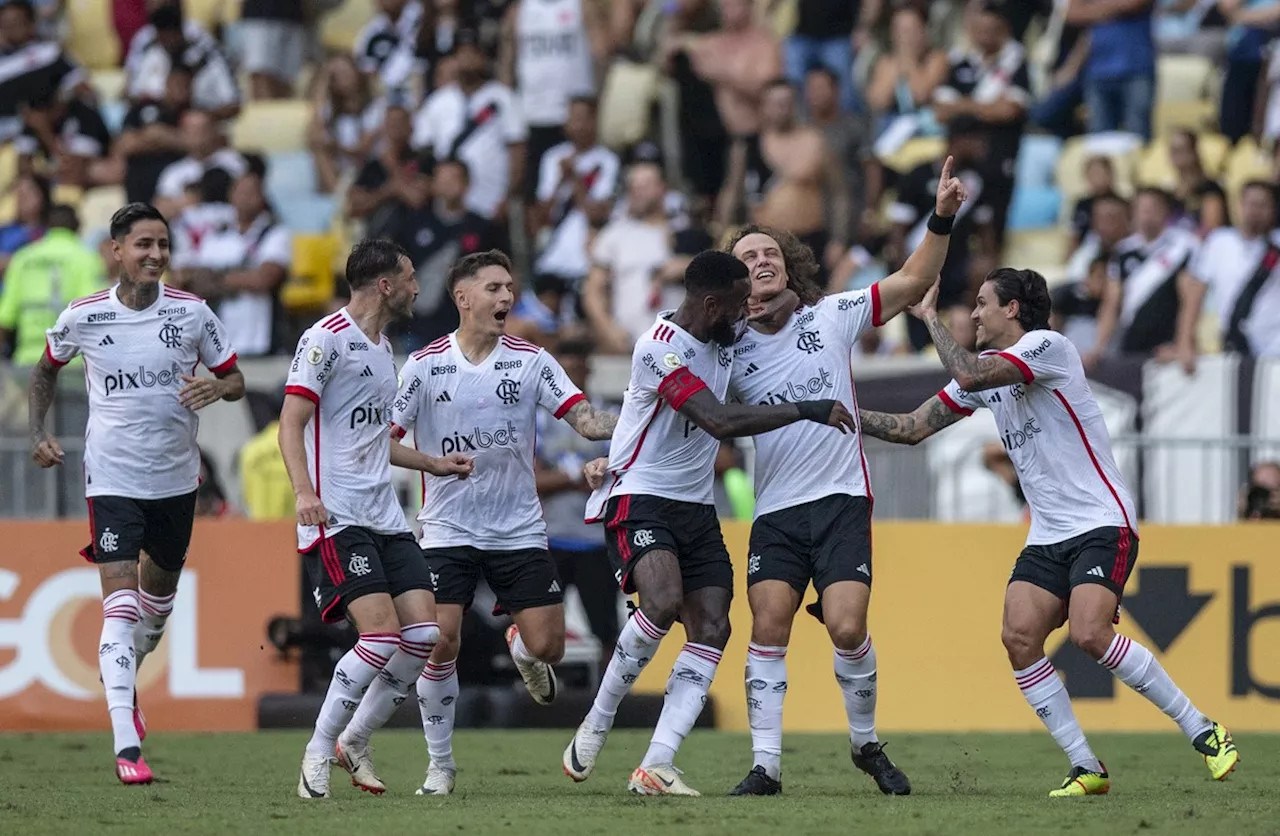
929 417
972 372
44 382
591 423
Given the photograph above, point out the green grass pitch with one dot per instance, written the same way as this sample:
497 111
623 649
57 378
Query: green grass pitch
511 782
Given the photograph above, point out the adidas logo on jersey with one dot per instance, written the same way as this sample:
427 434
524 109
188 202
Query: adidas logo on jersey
368 372
1097 572
752 368
444 398
864 570
555 587
107 340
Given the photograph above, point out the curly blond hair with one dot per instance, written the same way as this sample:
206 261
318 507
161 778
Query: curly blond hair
800 262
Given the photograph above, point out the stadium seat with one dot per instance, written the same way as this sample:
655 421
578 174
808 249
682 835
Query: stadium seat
1245 162
307 213
211 13
915 152
629 89
98 205
1155 169
70 195
1036 158
1042 250
1069 172
290 174
91 38
1170 115
311 282
1034 207
338 29
1184 78
271 126
108 84
8 163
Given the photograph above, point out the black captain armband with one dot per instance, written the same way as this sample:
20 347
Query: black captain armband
817 411
939 225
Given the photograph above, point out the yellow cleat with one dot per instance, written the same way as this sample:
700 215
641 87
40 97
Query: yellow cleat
1219 751
1083 782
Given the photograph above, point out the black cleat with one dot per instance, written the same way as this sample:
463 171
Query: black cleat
872 760
757 782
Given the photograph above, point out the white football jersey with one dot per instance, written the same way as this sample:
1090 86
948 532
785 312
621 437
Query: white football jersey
1053 431
655 450
352 382
488 411
807 360
140 441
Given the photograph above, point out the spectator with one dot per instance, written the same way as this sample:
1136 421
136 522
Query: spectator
550 52
704 140
441 20
394 180
903 80
478 121
973 244
990 84
213 84
1076 304
1058 111
787 176
206 149
677 206
384 47
34 73
345 119
275 42
1100 178
42 278
829 33
848 136
576 185
634 270
1109 225
1260 496
577 548
1253 24
64 139
1238 266
1141 302
1120 75
1203 202
33 200
150 140
435 236
240 267
145 36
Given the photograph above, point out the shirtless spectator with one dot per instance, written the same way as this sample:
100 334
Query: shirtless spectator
739 61
849 138
788 176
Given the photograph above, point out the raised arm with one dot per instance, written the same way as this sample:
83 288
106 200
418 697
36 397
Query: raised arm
44 382
928 418
972 372
591 423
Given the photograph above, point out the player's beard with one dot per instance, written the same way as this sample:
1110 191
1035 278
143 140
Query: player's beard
728 333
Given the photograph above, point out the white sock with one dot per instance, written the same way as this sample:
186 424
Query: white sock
155 613
687 689
117 665
1048 697
393 682
637 642
856 672
1134 665
766 688
351 678
438 700
519 652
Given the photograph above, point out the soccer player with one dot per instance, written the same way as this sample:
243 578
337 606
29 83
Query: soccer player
661 528
141 342
360 555
1083 540
478 391
813 492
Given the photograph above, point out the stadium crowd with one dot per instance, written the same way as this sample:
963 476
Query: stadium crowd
1121 147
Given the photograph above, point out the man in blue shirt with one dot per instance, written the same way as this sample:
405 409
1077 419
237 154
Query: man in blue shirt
1120 75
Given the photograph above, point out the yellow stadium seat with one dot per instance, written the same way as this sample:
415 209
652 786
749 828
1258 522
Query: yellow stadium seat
338 29
1246 162
70 195
1069 172
8 163
311 281
1198 115
8 207
91 37
270 126
1155 169
1182 78
108 84
98 205
914 153
210 13
1042 250
628 91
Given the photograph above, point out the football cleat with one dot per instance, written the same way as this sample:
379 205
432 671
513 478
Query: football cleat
131 768
439 781
357 761
1081 782
539 677
580 755
872 760
314 780
662 779
1219 751
757 782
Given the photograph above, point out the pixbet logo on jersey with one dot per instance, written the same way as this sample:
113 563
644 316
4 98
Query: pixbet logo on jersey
370 414
479 439
142 378
801 389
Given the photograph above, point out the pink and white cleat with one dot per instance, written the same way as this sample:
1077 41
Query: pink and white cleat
133 772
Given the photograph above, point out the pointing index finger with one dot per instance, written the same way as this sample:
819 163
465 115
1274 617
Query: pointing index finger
946 170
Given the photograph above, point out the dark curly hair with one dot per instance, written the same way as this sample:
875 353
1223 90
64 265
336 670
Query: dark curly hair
1030 289
800 262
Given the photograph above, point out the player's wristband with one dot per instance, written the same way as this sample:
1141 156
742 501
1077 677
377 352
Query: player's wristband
939 225
816 411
